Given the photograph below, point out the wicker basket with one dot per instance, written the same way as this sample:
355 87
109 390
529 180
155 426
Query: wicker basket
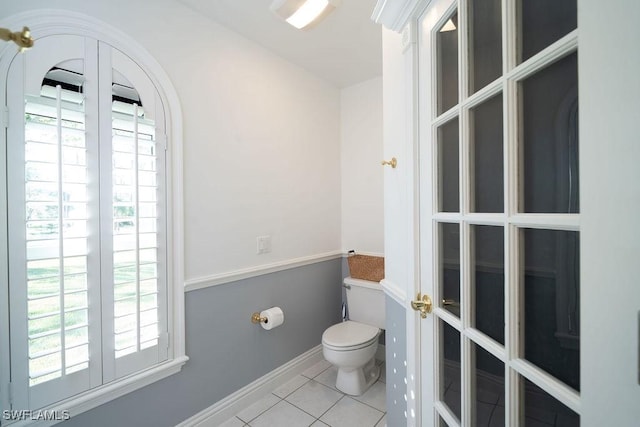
366 267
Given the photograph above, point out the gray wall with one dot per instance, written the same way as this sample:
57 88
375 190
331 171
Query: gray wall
226 350
396 387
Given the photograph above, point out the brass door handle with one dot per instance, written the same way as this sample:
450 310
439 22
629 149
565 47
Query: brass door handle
393 162
423 304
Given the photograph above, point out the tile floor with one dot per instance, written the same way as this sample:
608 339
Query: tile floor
311 399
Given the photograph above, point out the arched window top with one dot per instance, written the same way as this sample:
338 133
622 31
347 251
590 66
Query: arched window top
48 22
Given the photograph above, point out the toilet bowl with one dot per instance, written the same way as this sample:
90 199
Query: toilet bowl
351 346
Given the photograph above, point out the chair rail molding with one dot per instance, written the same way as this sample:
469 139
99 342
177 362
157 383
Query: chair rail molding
394 14
394 291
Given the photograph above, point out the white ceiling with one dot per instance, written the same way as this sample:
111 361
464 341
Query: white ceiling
344 49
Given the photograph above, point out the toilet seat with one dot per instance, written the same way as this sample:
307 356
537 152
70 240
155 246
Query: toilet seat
349 335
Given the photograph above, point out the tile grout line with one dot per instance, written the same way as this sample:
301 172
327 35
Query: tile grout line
334 404
330 407
254 418
383 413
319 373
311 415
365 403
346 395
280 399
318 419
379 419
293 391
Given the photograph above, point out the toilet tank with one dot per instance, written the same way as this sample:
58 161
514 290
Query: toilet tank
365 301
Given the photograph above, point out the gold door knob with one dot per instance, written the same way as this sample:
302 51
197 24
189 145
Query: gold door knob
423 304
393 162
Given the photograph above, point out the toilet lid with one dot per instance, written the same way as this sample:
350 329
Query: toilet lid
349 334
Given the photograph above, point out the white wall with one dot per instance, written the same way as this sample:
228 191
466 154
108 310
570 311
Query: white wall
398 183
609 61
362 173
261 136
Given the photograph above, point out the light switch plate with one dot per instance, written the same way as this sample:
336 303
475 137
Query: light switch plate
263 244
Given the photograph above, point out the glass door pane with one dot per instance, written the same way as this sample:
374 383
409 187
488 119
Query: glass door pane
488 280
450 267
485 43
541 409
449 167
549 147
450 368
542 22
551 317
488 389
487 156
447 70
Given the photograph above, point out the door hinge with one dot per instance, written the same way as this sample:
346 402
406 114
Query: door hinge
5 116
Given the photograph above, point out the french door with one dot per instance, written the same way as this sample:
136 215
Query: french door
499 213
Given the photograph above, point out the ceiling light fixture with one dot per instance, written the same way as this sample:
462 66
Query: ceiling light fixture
303 13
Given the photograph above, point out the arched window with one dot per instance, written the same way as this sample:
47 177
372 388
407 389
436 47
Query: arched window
91 220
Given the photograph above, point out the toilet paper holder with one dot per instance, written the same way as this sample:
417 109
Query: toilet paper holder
255 318
268 319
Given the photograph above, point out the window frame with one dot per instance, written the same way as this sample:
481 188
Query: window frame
55 22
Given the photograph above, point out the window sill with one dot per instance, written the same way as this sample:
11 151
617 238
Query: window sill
106 393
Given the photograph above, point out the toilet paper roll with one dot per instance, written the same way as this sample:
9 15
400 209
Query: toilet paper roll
274 316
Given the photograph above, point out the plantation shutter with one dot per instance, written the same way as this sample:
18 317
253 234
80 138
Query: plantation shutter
136 218
87 215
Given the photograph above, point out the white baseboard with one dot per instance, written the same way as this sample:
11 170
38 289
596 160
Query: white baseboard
226 408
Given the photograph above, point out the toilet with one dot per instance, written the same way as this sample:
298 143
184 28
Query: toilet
351 346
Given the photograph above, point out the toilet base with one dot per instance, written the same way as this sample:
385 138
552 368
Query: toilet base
356 381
